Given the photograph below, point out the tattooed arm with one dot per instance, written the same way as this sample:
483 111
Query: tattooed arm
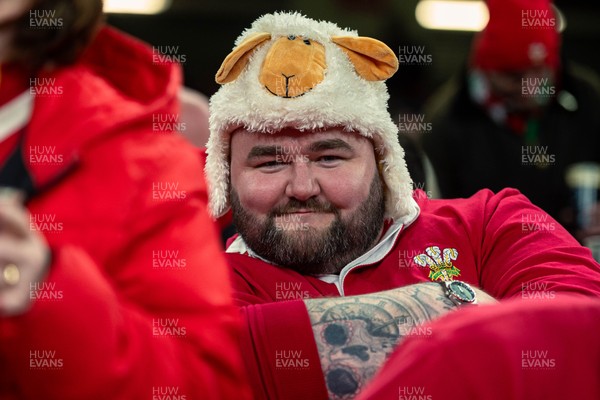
355 335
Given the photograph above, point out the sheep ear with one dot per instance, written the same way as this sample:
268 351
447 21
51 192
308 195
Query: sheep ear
235 62
372 59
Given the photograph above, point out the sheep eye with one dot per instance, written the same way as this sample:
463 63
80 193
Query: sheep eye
291 37
307 42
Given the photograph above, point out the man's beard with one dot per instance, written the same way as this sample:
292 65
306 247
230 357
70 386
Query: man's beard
305 249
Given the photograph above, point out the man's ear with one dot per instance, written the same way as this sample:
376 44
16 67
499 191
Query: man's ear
234 63
373 60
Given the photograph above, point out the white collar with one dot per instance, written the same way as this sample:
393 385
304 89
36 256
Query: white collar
239 246
15 114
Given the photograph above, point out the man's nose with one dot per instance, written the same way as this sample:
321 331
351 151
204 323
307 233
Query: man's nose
302 184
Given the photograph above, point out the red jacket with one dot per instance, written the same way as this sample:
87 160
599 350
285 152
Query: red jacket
137 303
503 244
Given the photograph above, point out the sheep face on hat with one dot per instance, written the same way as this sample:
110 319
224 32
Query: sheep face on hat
289 71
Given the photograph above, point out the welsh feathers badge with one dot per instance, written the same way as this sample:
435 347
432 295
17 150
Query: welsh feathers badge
439 263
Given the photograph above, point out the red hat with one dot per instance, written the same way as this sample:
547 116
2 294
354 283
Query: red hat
520 34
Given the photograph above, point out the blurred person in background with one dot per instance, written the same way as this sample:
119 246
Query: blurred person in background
194 116
111 281
519 116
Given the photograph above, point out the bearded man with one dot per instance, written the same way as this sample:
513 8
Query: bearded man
337 259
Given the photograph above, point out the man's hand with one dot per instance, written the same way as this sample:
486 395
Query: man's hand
24 255
355 335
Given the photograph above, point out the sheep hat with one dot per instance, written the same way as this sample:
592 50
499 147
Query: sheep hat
287 70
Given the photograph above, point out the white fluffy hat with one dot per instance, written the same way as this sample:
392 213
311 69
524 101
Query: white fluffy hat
345 88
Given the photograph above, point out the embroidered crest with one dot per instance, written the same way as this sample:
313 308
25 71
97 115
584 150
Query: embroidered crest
439 263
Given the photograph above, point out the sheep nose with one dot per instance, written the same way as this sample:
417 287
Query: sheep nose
291 67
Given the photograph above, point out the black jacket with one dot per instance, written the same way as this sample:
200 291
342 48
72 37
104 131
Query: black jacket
469 151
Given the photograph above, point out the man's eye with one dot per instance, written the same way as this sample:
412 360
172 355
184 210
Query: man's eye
329 159
270 164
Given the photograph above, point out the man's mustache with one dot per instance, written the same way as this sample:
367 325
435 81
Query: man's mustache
312 205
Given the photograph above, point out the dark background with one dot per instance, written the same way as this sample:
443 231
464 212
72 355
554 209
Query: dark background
205 32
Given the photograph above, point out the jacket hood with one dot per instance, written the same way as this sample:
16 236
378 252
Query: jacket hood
131 67
116 85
